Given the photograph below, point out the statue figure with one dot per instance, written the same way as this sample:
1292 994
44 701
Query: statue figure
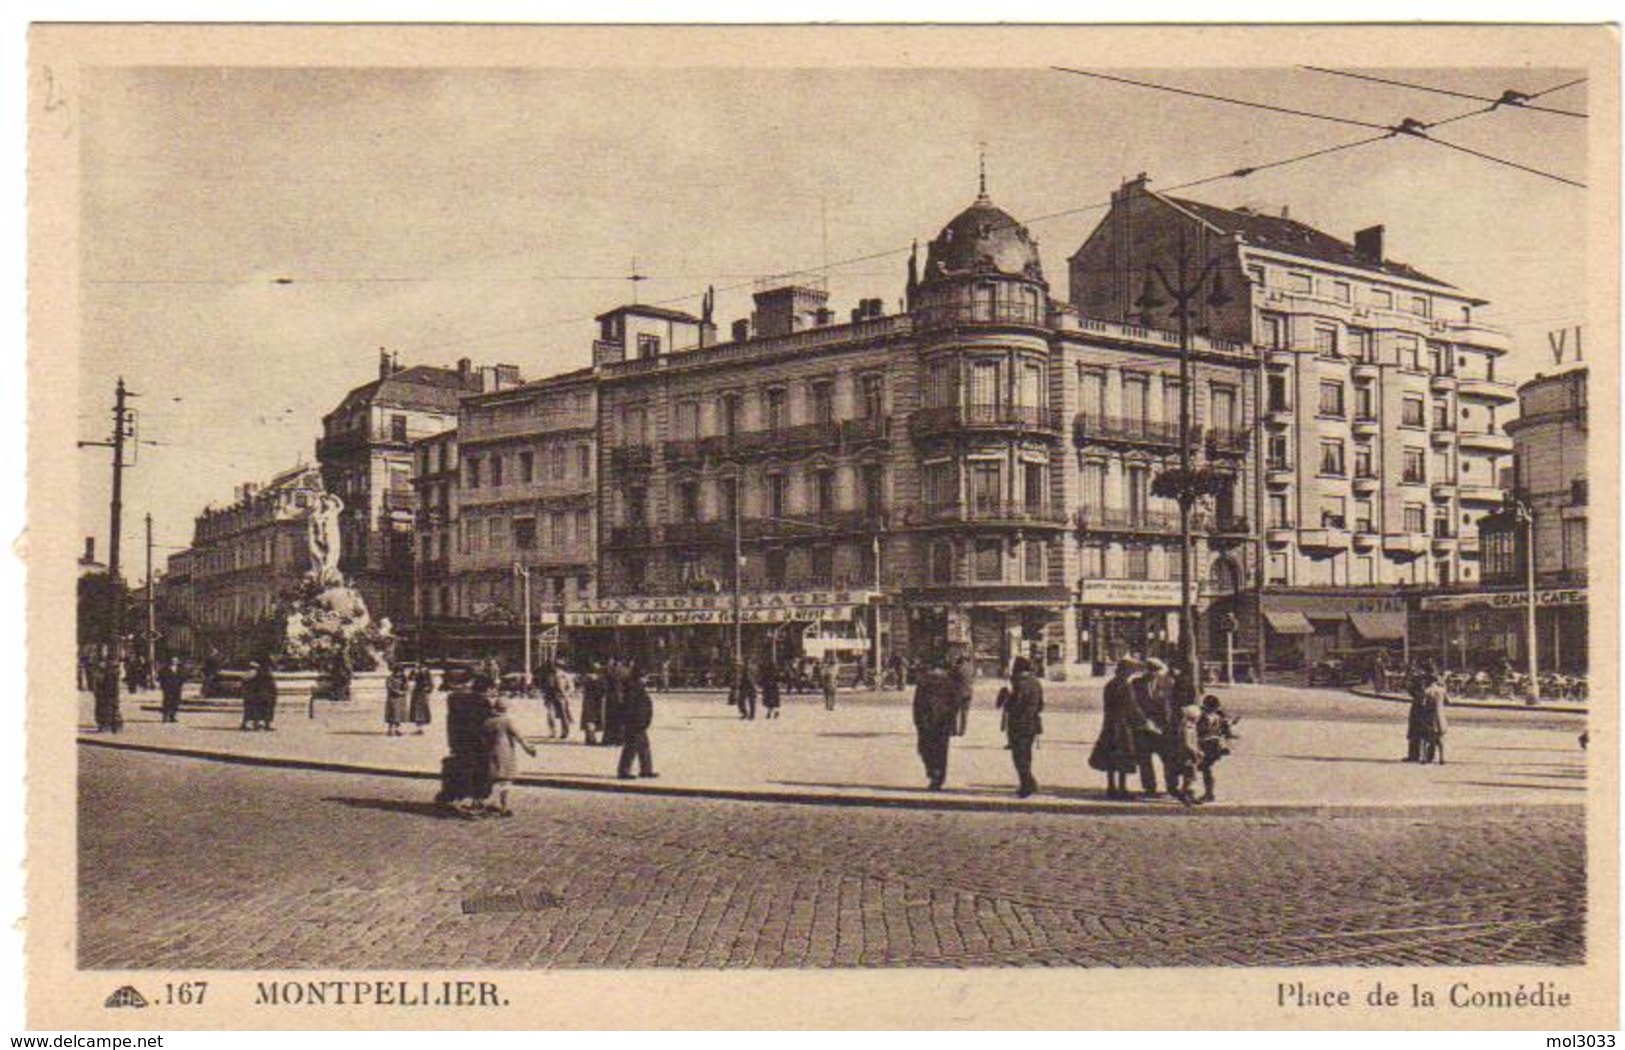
323 526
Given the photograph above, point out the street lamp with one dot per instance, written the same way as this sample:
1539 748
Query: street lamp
1190 484
1525 513
523 574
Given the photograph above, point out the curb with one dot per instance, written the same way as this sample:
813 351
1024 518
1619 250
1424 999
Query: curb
1478 705
985 804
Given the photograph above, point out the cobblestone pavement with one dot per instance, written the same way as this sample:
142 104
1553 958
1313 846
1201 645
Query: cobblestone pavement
192 864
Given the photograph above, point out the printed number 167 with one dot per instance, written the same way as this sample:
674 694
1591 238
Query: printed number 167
186 993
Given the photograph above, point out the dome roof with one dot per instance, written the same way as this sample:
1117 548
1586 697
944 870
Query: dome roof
983 239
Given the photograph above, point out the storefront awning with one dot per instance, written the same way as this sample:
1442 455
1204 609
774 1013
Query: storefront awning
1379 626
1289 622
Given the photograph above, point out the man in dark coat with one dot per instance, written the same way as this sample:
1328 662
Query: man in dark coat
614 691
259 698
960 677
1022 711
936 711
172 680
1153 694
105 688
1416 726
637 714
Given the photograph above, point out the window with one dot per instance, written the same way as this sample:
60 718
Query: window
872 396
988 563
1365 401
1326 340
1275 393
824 491
524 534
1441 467
1255 274
1331 398
1092 393
1362 516
867 565
1278 511
471 472
1222 407
1362 462
559 461
1439 359
633 430
637 573
1033 561
777 564
1277 569
1170 400
1136 398
1033 487
1574 543
1409 353
940 388
727 499
397 428
984 384
557 529
1137 562
637 505
778 416
777 492
1331 457
823 401
648 346
1382 298
1415 518
942 561
1414 468
1274 331
1275 454
688 420
527 466
1092 561
1421 306
1410 412
583 461
493 532
1441 415
1341 291
496 470
1333 513
583 526
1361 346
1093 489
823 565
1032 385
986 485
688 501
941 485
1137 486
872 478
733 414
1301 283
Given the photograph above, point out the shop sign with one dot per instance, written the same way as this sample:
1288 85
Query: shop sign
1506 599
1130 592
713 609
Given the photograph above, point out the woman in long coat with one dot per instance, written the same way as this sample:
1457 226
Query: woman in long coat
770 689
1114 752
395 701
500 735
422 690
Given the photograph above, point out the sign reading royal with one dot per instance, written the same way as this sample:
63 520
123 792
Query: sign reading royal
1506 599
683 610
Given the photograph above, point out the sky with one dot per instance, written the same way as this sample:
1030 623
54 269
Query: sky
252 237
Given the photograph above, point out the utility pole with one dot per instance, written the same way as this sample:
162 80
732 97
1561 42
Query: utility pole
524 585
1184 292
739 571
152 614
879 597
121 430
1526 514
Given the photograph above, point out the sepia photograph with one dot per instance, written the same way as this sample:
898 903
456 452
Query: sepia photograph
628 504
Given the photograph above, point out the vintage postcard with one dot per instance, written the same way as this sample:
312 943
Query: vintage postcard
868 527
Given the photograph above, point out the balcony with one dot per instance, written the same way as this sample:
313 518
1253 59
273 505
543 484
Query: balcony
1444 490
1326 538
950 419
1443 437
1367 426
989 513
1365 537
1279 535
1405 544
1490 390
631 457
1279 357
1278 474
1112 519
1365 484
1468 546
631 536
1278 416
1475 493
397 502
1443 541
696 533
1367 370
860 431
1483 441
1090 429
950 315
1474 334
1227 441
1441 382
689 450
815 523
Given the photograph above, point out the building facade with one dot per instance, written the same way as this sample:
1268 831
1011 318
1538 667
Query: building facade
365 453
243 560
1486 624
1382 433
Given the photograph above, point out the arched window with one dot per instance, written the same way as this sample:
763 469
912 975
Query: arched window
1224 576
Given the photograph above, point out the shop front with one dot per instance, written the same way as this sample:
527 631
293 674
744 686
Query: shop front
1305 628
1482 630
990 626
1118 618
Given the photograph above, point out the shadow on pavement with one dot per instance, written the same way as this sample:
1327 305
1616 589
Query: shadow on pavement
396 805
1521 787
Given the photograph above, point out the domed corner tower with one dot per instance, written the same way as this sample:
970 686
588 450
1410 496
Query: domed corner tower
989 526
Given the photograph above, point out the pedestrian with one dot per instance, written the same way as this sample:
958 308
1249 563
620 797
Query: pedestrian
418 711
637 714
592 704
558 712
936 711
1183 753
109 719
259 697
960 676
1114 752
171 680
1023 711
501 736
744 692
465 771
827 681
1153 692
770 689
614 690
1416 685
1434 699
1213 735
395 689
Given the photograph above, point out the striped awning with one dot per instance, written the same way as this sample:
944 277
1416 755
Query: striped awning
1286 622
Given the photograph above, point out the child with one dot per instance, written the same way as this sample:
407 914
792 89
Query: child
1213 734
500 735
1185 753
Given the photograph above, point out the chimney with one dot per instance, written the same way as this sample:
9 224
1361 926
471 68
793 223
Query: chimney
465 372
741 330
384 367
507 376
1368 244
90 549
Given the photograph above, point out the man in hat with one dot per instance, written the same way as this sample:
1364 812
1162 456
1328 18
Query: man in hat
172 680
936 712
1154 693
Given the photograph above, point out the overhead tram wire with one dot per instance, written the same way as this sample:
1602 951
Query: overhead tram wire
1509 99
1226 99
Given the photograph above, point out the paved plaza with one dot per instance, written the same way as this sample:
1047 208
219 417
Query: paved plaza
1324 850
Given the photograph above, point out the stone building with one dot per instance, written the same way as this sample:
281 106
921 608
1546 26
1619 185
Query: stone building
1382 421
365 453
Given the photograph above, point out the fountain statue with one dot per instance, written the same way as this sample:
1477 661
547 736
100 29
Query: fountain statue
327 627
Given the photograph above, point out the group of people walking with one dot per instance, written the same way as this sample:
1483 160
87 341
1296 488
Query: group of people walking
767 686
942 700
406 699
1151 716
1424 731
